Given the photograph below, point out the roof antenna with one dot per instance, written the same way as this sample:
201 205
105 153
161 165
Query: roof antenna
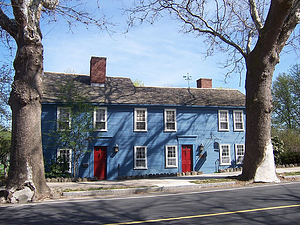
188 78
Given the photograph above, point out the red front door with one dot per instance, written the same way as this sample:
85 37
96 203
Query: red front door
100 163
187 156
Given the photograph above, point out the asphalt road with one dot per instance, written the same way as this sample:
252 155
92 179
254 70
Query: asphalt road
261 204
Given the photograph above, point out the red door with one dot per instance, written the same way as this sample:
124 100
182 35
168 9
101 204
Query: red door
187 156
100 163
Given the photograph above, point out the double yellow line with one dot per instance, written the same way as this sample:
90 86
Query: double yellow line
206 215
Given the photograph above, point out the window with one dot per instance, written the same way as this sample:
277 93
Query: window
65 155
63 118
239 153
225 154
140 157
223 120
170 120
100 119
238 118
171 156
140 119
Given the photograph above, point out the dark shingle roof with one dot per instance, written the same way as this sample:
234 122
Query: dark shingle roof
119 90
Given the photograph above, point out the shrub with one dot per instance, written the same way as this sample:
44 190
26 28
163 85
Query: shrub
290 157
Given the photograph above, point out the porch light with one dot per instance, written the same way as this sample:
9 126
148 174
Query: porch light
201 147
116 148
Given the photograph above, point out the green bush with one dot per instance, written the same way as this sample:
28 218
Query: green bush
289 157
57 168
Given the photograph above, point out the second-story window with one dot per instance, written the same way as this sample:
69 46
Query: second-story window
140 119
63 118
170 120
223 120
238 120
100 119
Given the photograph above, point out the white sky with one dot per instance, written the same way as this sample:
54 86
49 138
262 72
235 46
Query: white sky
156 55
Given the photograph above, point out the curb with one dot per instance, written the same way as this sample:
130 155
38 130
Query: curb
108 192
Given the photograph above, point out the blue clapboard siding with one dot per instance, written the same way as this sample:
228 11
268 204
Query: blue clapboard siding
195 125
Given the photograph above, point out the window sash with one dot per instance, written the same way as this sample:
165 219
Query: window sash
140 119
223 120
63 118
238 118
170 120
67 155
140 157
100 119
171 156
225 158
239 152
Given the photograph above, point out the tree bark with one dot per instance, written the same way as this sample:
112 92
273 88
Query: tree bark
27 167
26 178
259 162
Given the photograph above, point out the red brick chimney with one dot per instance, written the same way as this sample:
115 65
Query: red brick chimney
204 83
97 71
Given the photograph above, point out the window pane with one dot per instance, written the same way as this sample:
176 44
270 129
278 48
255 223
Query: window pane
100 125
170 116
238 117
140 163
223 116
100 115
140 115
141 125
170 126
224 126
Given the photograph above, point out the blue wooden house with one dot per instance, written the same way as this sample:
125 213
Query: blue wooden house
150 130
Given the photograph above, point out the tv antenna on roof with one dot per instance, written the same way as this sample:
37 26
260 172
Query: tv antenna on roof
188 78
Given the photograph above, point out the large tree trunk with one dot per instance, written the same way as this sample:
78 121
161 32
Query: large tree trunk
282 18
259 162
27 167
26 179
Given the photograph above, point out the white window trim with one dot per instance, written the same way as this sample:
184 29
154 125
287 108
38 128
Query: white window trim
219 120
70 161
235 122
135 119
58 118
229 155
165 120
236 153
176 156
95 117
146 165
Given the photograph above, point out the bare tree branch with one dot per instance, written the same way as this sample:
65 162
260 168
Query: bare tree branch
255 16
8 25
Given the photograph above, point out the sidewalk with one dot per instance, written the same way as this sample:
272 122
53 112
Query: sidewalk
120 187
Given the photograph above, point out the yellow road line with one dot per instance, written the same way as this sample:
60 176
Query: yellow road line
206 215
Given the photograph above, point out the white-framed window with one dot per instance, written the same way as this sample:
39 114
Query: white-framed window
238 120
170 120
239 153
171 156
100 119
140 157
225 158
140 119
65 155
63 118
223 120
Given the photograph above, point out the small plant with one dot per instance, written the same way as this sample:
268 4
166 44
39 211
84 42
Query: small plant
57 168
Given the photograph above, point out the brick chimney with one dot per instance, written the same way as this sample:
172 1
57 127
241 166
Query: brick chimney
204 83
97 71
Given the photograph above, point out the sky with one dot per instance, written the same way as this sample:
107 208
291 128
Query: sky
156 55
